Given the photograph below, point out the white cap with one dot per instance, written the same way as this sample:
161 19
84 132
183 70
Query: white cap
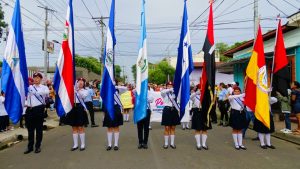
233 83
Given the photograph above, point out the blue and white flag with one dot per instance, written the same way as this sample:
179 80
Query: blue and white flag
184 65
108 81
14 68
140 110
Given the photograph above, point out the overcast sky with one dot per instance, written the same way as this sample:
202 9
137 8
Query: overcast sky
233 23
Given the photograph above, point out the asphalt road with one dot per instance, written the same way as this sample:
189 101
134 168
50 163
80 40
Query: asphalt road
221 154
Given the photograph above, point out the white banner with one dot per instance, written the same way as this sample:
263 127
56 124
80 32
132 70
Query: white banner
157 107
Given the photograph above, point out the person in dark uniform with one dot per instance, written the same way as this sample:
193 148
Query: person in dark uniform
113 125
77 117
143 125
34 116
237 118
89 104
263 131
170 116
199 121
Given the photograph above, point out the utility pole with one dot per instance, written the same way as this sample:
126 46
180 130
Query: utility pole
123 73
46 54
256 20
99 21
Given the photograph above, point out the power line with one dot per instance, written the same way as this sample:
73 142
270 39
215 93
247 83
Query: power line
291 4
276 8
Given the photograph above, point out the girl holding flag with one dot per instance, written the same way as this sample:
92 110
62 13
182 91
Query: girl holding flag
170 116
78 118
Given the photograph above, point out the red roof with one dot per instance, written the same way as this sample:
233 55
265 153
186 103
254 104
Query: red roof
266 36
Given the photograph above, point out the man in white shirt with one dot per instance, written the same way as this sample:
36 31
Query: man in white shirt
35 115
89 104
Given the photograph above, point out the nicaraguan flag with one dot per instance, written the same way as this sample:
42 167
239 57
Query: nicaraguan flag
108 81
64 77
184 65
140 110
14 68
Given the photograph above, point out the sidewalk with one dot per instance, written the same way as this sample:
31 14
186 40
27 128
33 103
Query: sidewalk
10 137
287 137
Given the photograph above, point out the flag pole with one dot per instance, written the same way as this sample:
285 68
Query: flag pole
273 62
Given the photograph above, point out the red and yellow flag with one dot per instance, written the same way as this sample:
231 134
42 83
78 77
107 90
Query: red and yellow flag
256 89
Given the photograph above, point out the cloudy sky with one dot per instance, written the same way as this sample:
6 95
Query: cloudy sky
233 23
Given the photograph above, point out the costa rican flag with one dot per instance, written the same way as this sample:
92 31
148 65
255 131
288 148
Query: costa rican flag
14 69
108 81
64 77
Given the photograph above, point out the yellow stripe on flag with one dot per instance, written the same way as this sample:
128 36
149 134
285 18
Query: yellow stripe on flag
252 68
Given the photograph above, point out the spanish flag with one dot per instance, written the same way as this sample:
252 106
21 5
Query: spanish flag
256 89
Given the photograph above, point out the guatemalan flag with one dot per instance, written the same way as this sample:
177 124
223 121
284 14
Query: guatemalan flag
64 77
184 65
140 110
14 69
108 81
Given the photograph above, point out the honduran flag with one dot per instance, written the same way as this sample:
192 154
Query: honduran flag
256 89
108 81
184 65
140 109
207 82
14 68
64 77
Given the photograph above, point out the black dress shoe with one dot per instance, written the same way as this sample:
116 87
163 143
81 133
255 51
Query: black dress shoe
271 147
82 148
140 146
205 147
198 148
243 148
94 125
74 148
37 150
173 146
116 148
145 146
28 151
108 148
263 147
237 147
165 146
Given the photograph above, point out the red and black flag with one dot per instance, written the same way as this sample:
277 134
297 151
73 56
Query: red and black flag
207 81
281 73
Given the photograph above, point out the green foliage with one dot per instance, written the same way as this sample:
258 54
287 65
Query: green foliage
2 22
90 63
118 71
223 47
159 73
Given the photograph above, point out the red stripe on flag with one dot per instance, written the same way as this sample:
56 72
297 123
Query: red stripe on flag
280 53
210 26
67 71
250 93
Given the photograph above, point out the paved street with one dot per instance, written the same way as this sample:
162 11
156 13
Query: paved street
221 154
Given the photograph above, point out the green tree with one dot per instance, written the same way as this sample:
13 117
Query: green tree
90 63
118 71
159 73
2 22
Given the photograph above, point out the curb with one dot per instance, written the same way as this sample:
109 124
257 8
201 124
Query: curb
287 137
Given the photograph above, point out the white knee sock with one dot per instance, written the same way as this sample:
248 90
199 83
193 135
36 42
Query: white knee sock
197 137
117 138
124 117
82 140
240 139
172 140
127 117
75 140
261 139
268 139
235 138
166 140
204 138
109 138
